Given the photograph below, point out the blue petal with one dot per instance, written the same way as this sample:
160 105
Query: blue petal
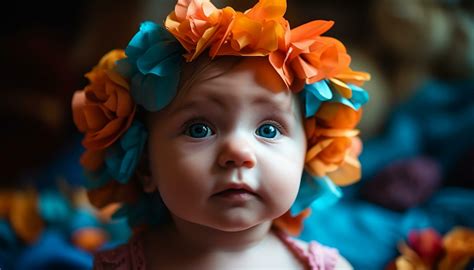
312 105
168 67
125 68
359 96
315 191
320 90
157 56
316 93
53 207
153 65
153 92
96 179
122 158
142 39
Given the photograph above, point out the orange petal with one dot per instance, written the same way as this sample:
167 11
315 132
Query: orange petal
278 59
292 225
310 126
335 152
271 33
347 173
6 200
94 116
316 149
319 168
92 160
267 9
108 61
89 239
114 192
334 133
341 87
305 70
338 116
78 101
106 136
117 79
24 216
310 30
355 77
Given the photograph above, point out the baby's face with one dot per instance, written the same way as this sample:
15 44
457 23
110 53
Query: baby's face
228 153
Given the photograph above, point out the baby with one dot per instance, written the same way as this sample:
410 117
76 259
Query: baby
216 160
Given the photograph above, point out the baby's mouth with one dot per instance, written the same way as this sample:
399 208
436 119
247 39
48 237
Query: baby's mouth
236 193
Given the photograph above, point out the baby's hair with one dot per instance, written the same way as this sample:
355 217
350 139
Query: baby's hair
204 65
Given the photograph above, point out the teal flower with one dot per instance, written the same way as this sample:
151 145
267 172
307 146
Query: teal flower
317 93
122 158
316 192
153 64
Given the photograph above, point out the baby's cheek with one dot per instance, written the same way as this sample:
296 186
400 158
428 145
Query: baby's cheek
282 184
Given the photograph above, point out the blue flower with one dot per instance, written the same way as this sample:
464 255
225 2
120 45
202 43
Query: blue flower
317 93
153 64
122 158
317 192
54 208
148 209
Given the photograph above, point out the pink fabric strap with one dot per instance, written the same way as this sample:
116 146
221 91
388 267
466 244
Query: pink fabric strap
129 256
315 256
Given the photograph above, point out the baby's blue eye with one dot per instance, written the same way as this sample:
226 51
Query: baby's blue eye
198 130
267 131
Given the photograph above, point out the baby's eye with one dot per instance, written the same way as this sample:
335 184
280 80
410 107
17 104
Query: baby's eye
267 131
198 130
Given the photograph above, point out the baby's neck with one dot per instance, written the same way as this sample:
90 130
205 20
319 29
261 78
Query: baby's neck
190 246
197 237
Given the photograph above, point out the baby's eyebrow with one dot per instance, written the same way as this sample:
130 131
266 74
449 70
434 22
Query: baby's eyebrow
196 103
276 105
214 100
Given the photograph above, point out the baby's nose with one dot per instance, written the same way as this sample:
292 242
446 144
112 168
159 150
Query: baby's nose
237 151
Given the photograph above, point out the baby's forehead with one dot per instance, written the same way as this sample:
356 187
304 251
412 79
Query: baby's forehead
252 81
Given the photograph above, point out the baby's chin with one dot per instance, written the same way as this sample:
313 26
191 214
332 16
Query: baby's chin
240 223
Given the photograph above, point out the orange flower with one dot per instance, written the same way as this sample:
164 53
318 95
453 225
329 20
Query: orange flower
332 143
89 239
257 32
459 247
104 109
198 24
292 225
114 192
409 259
325 57
21 209
310 57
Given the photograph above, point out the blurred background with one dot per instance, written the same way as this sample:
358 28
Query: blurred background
418 158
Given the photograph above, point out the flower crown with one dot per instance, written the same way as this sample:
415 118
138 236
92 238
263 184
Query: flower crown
147 73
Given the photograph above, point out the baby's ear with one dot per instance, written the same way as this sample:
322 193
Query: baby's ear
144 174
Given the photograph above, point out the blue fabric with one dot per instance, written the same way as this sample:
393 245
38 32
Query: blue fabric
354 226
52 251
438 120
10 246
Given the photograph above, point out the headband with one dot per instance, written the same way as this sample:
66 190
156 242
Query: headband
146 75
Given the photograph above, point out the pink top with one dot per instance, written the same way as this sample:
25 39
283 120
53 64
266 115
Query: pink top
130 256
